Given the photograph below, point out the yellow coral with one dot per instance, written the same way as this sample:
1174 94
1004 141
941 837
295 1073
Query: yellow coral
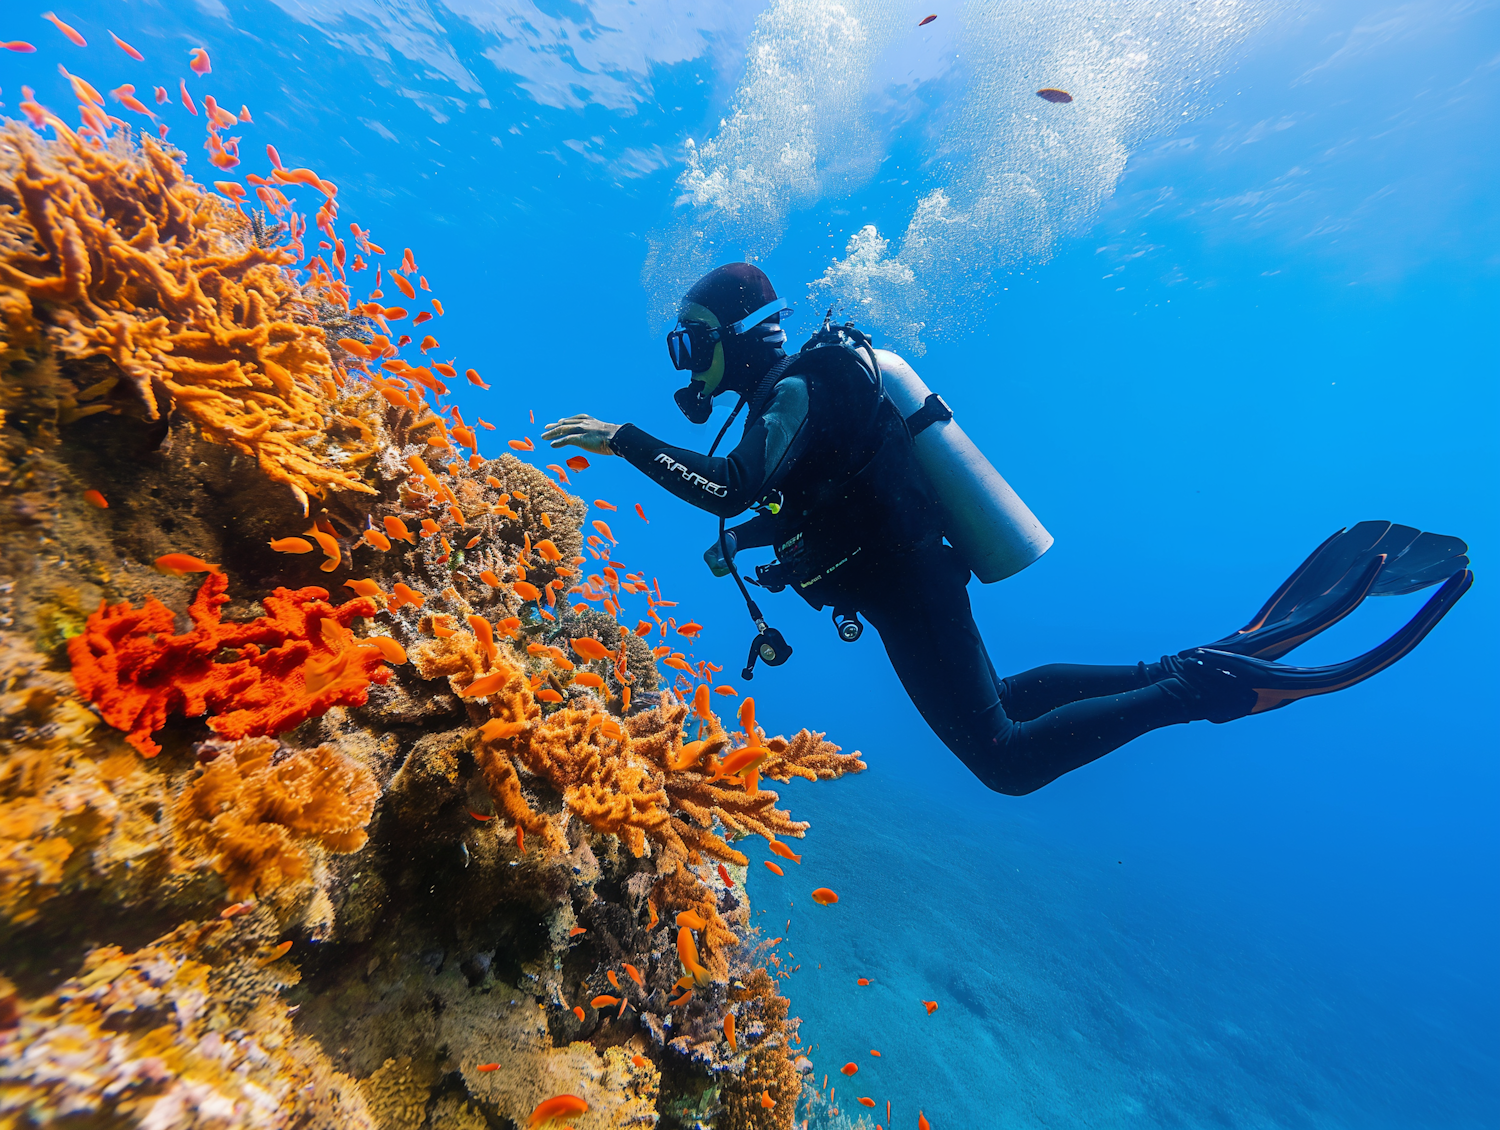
255 800
137 263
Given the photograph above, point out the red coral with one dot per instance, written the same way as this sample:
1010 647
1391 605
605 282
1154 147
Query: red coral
290 668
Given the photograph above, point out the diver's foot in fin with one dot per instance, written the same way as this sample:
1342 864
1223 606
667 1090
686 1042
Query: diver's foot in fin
1208 671
1368 559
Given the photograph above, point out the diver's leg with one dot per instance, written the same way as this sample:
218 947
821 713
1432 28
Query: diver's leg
937 652
1032 693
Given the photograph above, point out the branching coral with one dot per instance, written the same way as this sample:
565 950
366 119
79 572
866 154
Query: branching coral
254 801
130 665
132 260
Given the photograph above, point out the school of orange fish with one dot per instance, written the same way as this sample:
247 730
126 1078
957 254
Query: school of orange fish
406 385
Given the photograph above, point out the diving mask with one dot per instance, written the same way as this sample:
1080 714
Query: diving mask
691 344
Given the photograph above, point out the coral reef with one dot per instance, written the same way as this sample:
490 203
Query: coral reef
379 840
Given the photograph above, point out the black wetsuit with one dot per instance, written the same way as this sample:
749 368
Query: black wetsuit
858 529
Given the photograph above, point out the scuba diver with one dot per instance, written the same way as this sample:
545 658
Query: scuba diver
856 474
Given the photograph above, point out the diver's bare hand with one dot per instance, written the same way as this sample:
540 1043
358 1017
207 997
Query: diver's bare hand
582 431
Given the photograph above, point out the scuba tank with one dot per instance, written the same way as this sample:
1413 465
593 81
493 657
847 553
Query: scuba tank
984 518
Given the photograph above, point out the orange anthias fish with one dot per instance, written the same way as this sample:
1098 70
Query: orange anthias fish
850 1069
824 897
772 867
724 874
766 1100
866 1101
199 63
779 848
559 1106
727 690
590 648
687 952
94 498
589 679
922 1123
604 530
613 979
526 591
576 930
486 684
180 564
690 629
642 514
291 545
740 761
365 588
639 1060
77 39
700 701
578 1012
488 1067
602 505
128 50
635 975
578 463
278 952
522 444
397 529
931 1007
864 981
729 1031
604 1000
377 539
692 920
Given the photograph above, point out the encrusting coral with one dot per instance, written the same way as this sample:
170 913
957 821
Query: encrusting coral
291 665
467 783
255 800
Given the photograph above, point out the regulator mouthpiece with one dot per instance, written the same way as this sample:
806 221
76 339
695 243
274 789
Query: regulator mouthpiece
693 404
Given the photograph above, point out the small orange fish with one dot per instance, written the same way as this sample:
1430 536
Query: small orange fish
590 648
642 514
741 760
864 980
526 591
488 1067
700 702
578 463
278 953
486 684
602 505
773 867
639 1060
522 444
129 50
690 629
291 545
374 537
236 909
635 975
199 64
729 1031
931 1007
875 1053
613 980
397 529
482 817
604 1000
72 35
603 529
866 1102
692 920
726 690
824 897
180 564
850 1069
401 596
520 840
922 1123
559 1106
364 587
578 1012
589 679
779 848
94 498
490 579
576 930
392 651
686 996
724 874
766 1100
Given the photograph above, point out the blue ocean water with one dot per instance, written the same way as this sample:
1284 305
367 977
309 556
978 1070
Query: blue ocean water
1245 296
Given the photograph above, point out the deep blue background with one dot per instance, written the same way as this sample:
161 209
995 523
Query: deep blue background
1283 322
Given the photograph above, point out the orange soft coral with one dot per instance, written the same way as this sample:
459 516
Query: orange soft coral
290 668
130 259
255 801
